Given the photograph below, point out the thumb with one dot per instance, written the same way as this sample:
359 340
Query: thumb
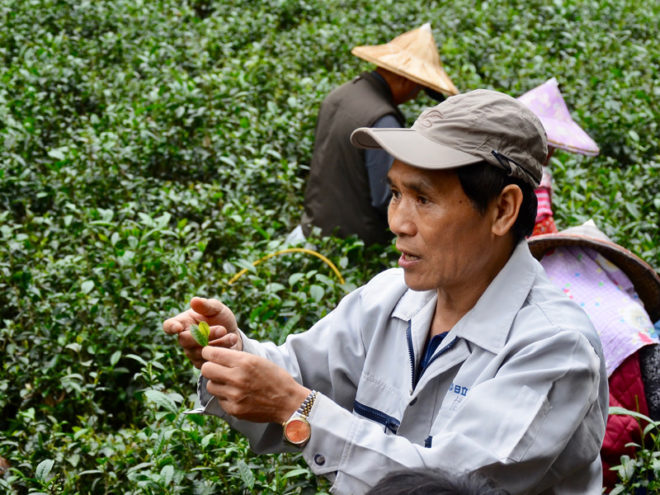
206 307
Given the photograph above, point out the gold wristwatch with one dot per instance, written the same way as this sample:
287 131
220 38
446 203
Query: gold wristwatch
297 430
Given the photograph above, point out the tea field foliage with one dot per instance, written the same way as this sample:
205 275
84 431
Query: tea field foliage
151 150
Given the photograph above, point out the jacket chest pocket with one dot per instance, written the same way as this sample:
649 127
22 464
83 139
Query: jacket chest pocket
425 410
457 390
379 402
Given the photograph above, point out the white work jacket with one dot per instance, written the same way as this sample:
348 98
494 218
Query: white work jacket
517 390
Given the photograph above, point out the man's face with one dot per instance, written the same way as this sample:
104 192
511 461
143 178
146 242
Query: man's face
442 237
403 89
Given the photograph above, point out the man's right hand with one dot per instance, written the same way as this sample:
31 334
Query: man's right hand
224 330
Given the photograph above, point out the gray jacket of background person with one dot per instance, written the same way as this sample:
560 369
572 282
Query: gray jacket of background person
517 390
337 198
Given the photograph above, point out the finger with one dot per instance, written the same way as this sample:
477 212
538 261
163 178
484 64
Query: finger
195 358
220 355
207 307
227 341
188 342
219 336
181 322
217 332
173 326
219 391
215 372
191 349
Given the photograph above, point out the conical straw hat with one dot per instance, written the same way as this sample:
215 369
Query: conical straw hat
413 55
563 132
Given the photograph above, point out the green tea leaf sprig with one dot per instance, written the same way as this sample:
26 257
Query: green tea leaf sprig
201 333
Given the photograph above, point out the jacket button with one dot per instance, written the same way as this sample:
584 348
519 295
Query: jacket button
319 459
412 402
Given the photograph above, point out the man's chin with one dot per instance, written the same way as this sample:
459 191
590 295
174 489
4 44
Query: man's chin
414 283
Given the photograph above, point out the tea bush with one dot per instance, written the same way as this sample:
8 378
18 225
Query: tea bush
640 474
151 150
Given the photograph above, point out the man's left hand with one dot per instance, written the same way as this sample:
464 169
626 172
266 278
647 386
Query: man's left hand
250 387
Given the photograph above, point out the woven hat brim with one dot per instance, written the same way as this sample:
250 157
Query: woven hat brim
407 65
575 141
643 277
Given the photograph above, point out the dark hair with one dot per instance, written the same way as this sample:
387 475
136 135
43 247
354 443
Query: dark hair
483 182
424 481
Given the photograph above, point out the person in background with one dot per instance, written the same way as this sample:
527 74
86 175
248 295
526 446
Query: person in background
618 290
465 358
621 294
347 192
563 133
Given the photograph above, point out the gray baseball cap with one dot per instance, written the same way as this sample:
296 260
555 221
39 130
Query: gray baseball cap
477 126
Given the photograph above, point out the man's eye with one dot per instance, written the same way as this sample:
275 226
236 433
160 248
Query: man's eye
422 199
396 194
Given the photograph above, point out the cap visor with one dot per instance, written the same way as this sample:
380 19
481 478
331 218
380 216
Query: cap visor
411 147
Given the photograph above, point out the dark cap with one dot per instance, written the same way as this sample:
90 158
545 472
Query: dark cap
480 125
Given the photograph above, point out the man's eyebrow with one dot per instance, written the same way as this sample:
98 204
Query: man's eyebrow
419 185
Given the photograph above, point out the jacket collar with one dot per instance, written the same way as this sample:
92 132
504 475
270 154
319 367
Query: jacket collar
488 323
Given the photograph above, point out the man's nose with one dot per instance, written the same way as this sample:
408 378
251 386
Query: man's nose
399 217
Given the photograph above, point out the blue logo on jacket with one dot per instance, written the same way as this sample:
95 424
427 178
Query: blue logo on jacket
458 389
460 393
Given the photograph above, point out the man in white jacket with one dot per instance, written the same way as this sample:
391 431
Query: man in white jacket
466 358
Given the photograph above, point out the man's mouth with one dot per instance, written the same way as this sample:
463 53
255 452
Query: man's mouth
409 256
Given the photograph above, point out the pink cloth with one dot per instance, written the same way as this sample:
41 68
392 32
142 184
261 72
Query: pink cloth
544 196
544 208
545 226
607 296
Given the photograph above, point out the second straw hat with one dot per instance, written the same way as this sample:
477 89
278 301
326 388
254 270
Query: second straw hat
413 55
563 132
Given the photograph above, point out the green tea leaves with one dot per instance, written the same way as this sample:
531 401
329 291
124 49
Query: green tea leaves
201 333
43 469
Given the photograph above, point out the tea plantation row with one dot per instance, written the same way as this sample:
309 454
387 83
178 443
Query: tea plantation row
150 150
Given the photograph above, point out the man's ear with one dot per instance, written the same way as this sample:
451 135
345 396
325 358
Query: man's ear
506 209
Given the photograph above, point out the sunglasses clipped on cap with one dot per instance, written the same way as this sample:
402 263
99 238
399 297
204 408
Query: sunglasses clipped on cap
509 163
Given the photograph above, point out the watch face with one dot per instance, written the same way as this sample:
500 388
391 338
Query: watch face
297 431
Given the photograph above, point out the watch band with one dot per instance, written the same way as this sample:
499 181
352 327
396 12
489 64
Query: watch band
306 407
